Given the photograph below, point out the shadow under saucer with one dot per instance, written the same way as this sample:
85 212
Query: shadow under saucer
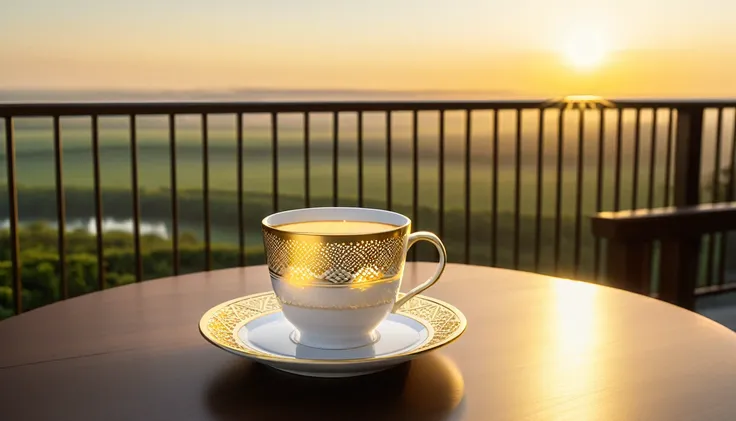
427 388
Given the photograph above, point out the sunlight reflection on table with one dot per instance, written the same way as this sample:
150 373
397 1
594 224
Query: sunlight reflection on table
576 325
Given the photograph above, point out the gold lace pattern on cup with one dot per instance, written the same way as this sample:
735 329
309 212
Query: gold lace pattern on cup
301 259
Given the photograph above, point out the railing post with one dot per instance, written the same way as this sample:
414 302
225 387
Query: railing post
679 257
688 149
629 265
14 245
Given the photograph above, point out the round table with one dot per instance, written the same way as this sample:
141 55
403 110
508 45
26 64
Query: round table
536 348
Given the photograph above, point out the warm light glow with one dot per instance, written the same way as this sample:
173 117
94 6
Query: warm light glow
583 98
576 318
581 102
585 49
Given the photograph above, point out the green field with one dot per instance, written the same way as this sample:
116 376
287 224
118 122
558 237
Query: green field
35 177
36 165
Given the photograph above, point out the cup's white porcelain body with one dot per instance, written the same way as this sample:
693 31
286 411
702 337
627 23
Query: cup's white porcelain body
335 317
336 289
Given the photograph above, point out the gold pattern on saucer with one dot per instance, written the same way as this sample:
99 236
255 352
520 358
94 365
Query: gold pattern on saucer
220 324
350 259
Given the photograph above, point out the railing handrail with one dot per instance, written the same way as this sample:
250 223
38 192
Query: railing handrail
45 109
630 237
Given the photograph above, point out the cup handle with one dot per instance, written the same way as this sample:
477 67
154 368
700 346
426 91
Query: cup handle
424 236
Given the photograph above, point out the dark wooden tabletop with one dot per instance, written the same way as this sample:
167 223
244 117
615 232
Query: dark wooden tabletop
536 348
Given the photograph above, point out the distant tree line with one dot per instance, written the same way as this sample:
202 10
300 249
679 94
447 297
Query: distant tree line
40 261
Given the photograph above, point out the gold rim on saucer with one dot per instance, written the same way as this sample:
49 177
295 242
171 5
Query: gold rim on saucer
220 325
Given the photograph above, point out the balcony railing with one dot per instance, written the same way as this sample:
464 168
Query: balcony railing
504 183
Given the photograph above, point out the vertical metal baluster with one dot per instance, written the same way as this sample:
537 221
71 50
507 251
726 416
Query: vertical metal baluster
441 181
652 159
136 199
617 172
558 191
60 208
579 194
599 189
415 176
637 141
517 192
275 161
335 156
538 217
732 176
360 159
668 158
206 193
716 181
468 134
494 193
174 199
729 198
241 216
98 201
415 170
307 194
13 209
389 203
716 186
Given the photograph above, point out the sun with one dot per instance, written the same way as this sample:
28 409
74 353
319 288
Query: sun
585 50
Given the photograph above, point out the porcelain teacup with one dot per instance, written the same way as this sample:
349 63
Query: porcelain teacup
337 271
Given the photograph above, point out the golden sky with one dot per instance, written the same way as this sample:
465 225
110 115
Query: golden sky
530 48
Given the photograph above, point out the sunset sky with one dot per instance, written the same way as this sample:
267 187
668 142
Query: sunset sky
507 48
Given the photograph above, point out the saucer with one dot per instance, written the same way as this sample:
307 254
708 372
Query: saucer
254 327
